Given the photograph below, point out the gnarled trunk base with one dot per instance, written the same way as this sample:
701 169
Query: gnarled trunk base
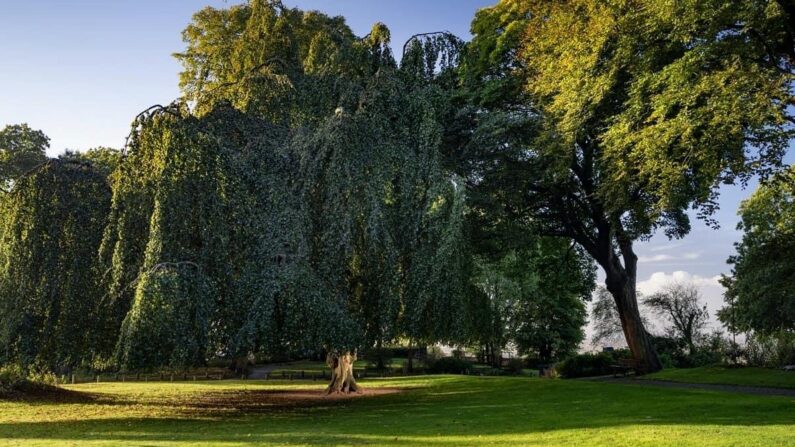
342 377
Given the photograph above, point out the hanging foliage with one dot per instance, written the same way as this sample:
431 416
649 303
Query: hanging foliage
169 320
50 302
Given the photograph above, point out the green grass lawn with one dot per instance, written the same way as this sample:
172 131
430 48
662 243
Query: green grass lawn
439 410
729 376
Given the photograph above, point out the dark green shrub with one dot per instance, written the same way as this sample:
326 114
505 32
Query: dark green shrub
666 360
773 350
586 365
11 378
705 358
450 365
379 359
14 379
515 366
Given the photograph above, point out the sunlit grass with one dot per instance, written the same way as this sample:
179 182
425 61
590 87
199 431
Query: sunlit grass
439 410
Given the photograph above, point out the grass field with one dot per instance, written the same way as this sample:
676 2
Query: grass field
750 376
436 411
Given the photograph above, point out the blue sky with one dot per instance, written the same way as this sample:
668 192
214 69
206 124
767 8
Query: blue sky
80 70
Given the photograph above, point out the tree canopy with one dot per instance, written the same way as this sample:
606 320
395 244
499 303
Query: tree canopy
50 300
535 300
761 288
605 121
313 191
21 150
310 224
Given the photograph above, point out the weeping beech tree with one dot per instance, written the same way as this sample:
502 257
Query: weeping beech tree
342 227
50 299
217 199
340 235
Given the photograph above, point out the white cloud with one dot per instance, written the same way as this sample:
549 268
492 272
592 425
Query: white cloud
663 257
710 288
666 247
655 258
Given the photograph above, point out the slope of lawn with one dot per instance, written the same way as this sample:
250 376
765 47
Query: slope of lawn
748 376
428 411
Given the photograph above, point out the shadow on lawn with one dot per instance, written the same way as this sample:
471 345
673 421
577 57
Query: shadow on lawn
468 408
49 395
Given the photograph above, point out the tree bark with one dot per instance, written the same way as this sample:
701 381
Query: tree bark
621 283
342 376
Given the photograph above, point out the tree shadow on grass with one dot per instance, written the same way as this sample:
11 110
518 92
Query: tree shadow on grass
460 410
49 395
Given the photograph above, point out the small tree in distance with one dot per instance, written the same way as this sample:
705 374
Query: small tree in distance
680 304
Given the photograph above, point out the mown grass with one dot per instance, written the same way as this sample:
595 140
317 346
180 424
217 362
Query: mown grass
435 411
747 376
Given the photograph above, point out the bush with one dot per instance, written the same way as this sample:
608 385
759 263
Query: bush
666 360
772 350
515 366
379 358
14 379
705 358
434 353
586 365
673 353
450 365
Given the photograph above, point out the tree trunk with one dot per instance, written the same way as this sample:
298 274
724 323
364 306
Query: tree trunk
410 359
342 377
621 283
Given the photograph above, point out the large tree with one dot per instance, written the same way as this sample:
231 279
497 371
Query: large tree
21 150
50 299
535 300
604 121
304 195
760 292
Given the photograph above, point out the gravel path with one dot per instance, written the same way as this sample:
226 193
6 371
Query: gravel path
756 390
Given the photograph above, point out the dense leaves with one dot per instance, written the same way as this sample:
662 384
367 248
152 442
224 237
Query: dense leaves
21 150
315 225
603 121
50 300
761 290
534 300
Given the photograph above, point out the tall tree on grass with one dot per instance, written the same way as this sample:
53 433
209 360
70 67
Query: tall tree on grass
300 205
604 121
761 289
50 299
